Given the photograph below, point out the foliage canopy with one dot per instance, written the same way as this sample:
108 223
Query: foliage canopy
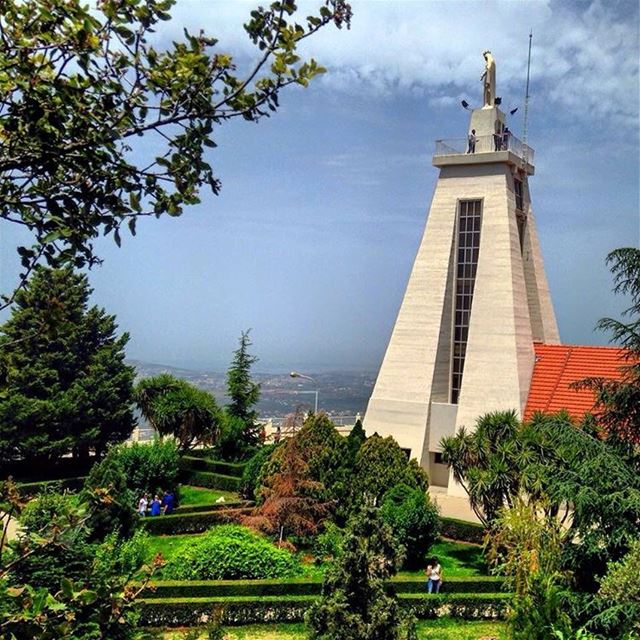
80 86
64 386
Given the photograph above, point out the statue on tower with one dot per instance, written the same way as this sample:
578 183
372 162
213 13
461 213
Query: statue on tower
489 80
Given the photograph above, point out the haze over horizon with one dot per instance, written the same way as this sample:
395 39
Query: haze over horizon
323 205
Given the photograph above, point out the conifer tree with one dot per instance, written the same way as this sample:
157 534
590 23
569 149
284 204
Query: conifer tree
64 386
355 605
243 394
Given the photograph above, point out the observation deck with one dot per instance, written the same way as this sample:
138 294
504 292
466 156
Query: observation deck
488 149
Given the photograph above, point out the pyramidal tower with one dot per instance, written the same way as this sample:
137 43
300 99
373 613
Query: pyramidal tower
477 297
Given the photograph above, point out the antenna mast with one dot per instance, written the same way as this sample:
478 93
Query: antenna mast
526 103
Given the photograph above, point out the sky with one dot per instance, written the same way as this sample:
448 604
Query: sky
323 205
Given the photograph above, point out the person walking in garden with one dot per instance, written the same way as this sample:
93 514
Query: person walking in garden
142 505
434 576
156 506
168 503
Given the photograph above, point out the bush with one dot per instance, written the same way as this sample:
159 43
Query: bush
124 557
110 500
381 465
231 552
329 543
149 467
40 512
238 439
414 521
252 476
461 530
48 565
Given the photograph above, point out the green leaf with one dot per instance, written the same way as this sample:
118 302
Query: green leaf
67 587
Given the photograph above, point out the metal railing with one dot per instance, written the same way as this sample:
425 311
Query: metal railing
485 144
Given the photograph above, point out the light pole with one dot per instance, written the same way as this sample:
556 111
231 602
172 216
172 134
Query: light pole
295 374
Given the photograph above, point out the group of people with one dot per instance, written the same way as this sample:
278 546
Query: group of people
500 140
157 506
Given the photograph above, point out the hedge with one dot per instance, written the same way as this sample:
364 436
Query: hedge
462 531
201 453
215 506
192 522
468 606
210 480
266 609
42 471
34 488
168 589
192 463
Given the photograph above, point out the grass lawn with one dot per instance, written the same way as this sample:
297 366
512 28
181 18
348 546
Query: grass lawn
440 629
200 495
168 545
458 560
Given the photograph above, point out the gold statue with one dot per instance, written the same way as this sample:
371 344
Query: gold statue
489 79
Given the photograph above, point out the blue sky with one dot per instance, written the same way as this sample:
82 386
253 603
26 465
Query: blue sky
324 204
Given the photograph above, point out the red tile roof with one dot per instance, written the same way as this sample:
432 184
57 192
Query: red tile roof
558 365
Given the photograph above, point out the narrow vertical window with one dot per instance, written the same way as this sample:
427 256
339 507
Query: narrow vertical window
520 214
517 184
468 239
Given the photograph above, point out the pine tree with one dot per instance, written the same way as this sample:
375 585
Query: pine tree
243 394
64 386
355 605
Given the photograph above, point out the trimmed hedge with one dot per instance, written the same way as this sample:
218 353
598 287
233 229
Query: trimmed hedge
463 531
62 469
170 589
201 453
210 480
192 463
34 488
192 522
467 606
266 609
209 506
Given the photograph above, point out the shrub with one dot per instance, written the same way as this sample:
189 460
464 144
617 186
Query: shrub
381 465
67 559
253 475
328 543
462 531
110 500
231 552
414 521
41 511
124 557
149 467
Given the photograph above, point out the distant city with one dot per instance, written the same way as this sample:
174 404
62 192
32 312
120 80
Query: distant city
340 393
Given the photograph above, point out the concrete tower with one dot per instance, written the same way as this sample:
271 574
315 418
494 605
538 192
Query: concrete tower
476 300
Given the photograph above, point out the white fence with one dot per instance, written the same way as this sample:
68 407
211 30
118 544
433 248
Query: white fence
485 144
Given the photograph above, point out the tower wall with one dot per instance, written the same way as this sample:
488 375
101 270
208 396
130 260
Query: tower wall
415 398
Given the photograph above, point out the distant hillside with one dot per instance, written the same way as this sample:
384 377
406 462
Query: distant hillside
340 392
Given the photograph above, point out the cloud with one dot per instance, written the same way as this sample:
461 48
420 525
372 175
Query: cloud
585 55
